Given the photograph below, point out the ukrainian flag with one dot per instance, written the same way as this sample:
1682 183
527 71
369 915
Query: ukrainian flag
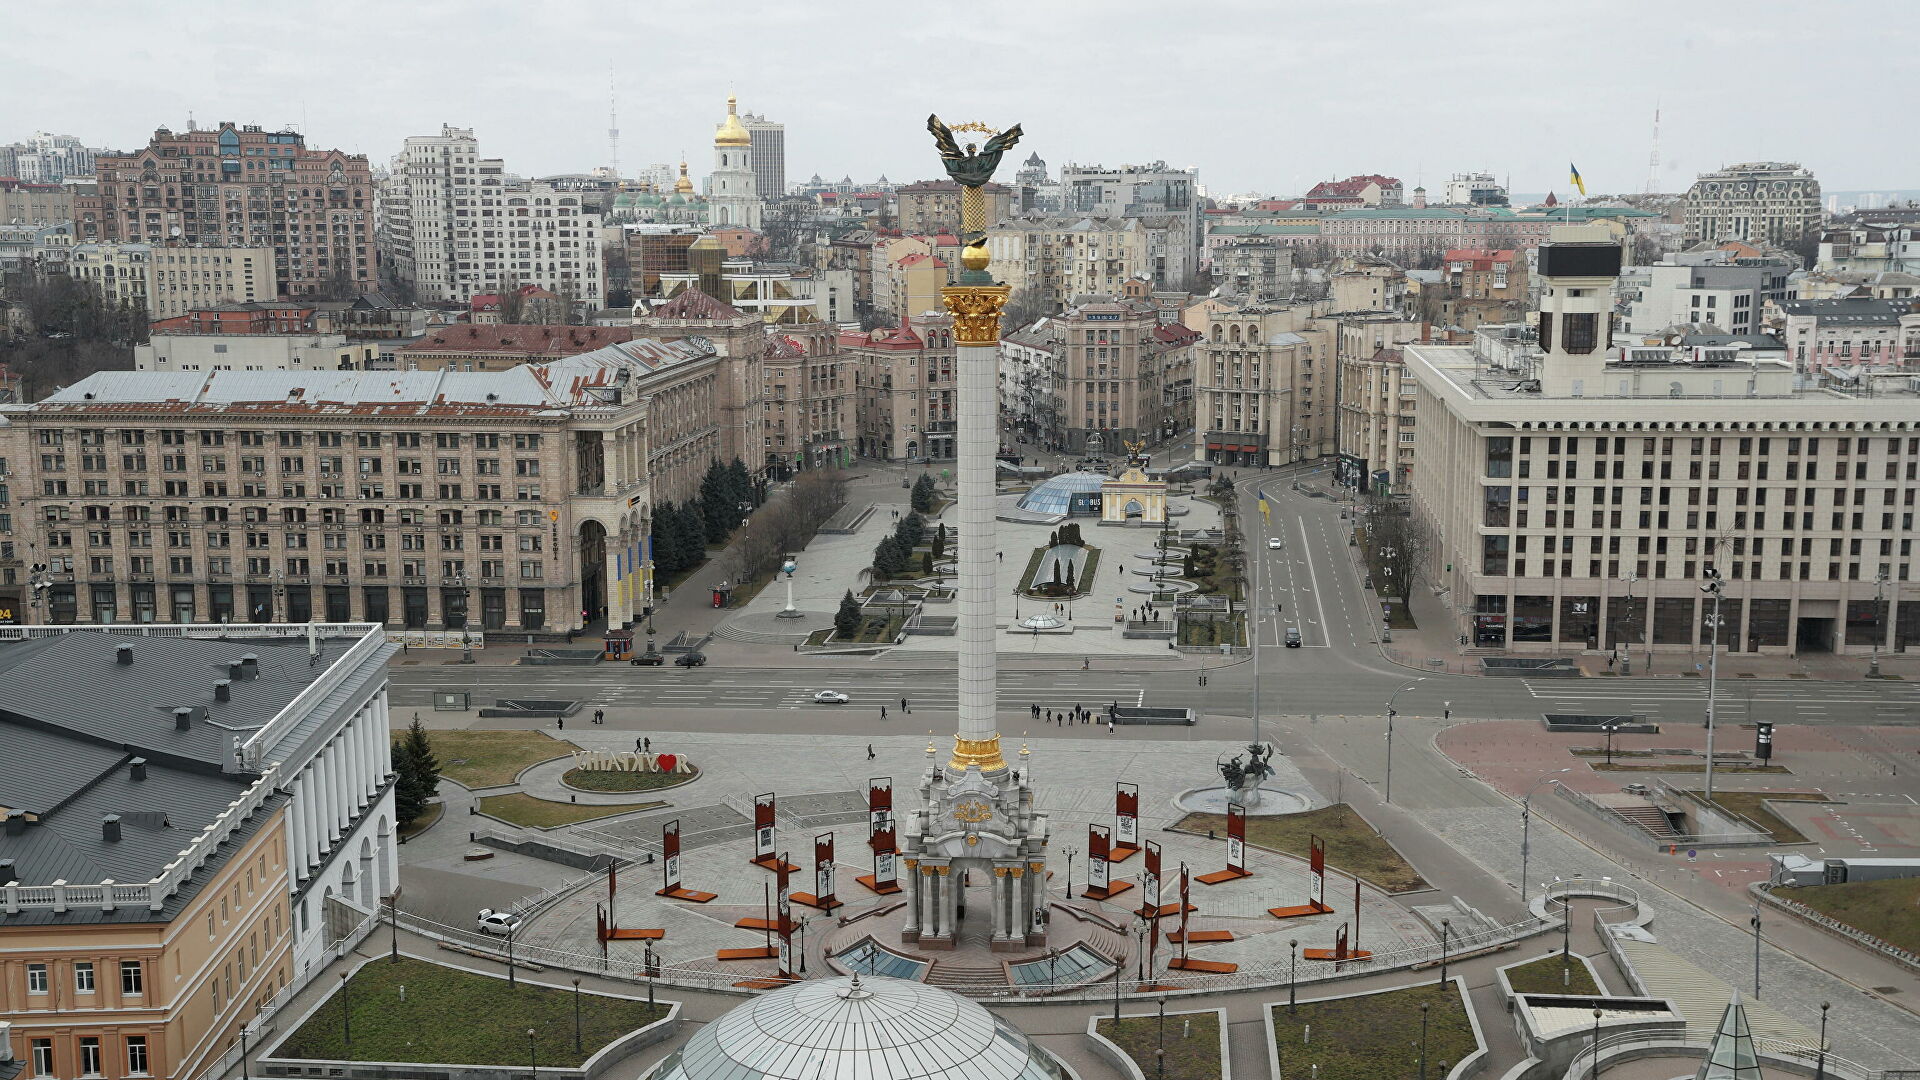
1575 178
1266 509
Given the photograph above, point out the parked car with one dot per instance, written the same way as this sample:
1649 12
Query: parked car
830 697
692 659
498 923
649 659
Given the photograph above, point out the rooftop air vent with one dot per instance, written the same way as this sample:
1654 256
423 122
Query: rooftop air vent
182 718
110 828
223 690
123 654
137 769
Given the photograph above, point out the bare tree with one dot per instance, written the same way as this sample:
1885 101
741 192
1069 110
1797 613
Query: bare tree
1400 545
788 232
1024 308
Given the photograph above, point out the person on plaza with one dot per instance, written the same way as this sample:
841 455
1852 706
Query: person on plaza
883 712
599 716
904 711
869 751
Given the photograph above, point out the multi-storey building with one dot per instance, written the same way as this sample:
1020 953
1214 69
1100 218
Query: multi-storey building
517 499
808 387
1062 258
1474 189
251 337
47 159
1370 190
1264 390
1871 248
933 206
1847 332
244 187
1479 286
24 202
1112 375
768 141
169 870
904 389
1757 202
1253 268
1572 497
1688 289
1029 357
502 346
1377 432
455 224
169 280
1167 199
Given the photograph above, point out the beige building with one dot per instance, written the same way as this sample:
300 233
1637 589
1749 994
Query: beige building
24 203
1119 372
1064 258
933 206
1548 481
1264 390
904 389
1377 429
807 393
507 500
1757 202
169 281
174 351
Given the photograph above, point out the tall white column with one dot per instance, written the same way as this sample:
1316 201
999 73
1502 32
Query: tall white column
914 895
310 817
976 440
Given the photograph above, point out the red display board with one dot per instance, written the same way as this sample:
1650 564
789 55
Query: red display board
670 867
1236 849
1126 822
881 838
1100 882
822 895
1316 902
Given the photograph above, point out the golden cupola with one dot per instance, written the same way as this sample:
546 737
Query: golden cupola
683 186
732 133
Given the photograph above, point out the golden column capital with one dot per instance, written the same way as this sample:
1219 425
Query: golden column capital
976 312
982 752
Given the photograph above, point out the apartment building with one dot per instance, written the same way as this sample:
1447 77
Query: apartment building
170 870
515 500
47 159
169 281
455 224
808 388
1120 373
23 202
933 206
1756 202
1264 393
1377 422
1864 248
1575 498
1166 201
1066 257
245 187
904 389
1029 359
1852 331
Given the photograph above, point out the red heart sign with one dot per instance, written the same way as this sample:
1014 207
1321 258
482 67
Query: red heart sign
667 761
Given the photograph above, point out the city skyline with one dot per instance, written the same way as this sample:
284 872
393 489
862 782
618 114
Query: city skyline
1452 59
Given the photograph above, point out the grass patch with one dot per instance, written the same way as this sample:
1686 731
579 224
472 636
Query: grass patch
620 780
523 809
1889 910
1352 845
425 821
1685 766
1752 806
1548 975
1375 1035
1195 1057
482 759
1213 631
455 1017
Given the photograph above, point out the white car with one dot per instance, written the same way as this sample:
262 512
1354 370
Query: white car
1273 543
500 923
830 697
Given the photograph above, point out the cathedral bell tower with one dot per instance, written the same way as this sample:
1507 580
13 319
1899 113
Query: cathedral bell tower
734 198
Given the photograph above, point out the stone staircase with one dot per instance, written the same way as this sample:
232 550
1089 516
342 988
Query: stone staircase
963 976
1648 819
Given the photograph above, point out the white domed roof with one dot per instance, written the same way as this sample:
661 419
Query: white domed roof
859 1028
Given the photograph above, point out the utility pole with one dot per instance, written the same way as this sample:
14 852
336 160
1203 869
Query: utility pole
1626 654
1714 587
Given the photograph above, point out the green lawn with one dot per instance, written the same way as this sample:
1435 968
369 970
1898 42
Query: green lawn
450 1017
1752 806
616 780
523 809
1352 845
1373 1037
482 759
1889 910
1196 1056
1548 975
420 824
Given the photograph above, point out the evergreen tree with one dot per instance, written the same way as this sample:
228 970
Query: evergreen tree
691 526
911 530
940 540
743 485
1070 576
926 563
719 505
846 621
924 494
417 774
666 538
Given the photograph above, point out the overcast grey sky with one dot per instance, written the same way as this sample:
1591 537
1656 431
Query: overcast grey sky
1260 96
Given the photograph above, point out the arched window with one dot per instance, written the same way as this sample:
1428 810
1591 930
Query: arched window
1217 335
1234 334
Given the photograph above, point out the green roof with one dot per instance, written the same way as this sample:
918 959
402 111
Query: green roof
1587 213
1264 230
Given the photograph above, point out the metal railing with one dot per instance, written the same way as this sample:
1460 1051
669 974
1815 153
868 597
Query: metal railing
1804 1055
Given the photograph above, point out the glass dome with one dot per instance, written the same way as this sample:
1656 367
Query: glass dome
859 1028
1057 494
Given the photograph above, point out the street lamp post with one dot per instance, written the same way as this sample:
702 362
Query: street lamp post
1879 621
1160 1043
1626 654
651 960
1566 930
1446 928
1607 730
533 1056
576 1015
1819 1069
346 1015
1423 1041
1596 1044
393 925
1526 827
1755 920
1293 971
1069 851
1390 715
510 981
1714 587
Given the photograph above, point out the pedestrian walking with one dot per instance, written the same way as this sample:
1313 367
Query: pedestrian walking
1049 716
904 711
599 716
883 712
637 747
1109 725
869 751
648 746
1086 664
1036 710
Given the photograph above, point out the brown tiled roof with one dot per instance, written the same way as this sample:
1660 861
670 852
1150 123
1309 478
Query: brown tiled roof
522 340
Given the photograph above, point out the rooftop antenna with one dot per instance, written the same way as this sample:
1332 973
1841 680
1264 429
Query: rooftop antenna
1653 157
613 124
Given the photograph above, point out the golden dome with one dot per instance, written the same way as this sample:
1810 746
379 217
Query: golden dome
731 133
683 186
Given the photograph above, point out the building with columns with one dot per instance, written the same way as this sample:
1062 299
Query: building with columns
1575 495
1263 378
196 816
733 191
513 500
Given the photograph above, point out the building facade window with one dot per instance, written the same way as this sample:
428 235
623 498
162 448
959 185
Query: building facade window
133 979
83 978
36 978
137 1055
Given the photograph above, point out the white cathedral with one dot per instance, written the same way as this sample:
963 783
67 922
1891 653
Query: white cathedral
732 197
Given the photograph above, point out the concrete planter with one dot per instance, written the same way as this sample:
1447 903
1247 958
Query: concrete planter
1123 1063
